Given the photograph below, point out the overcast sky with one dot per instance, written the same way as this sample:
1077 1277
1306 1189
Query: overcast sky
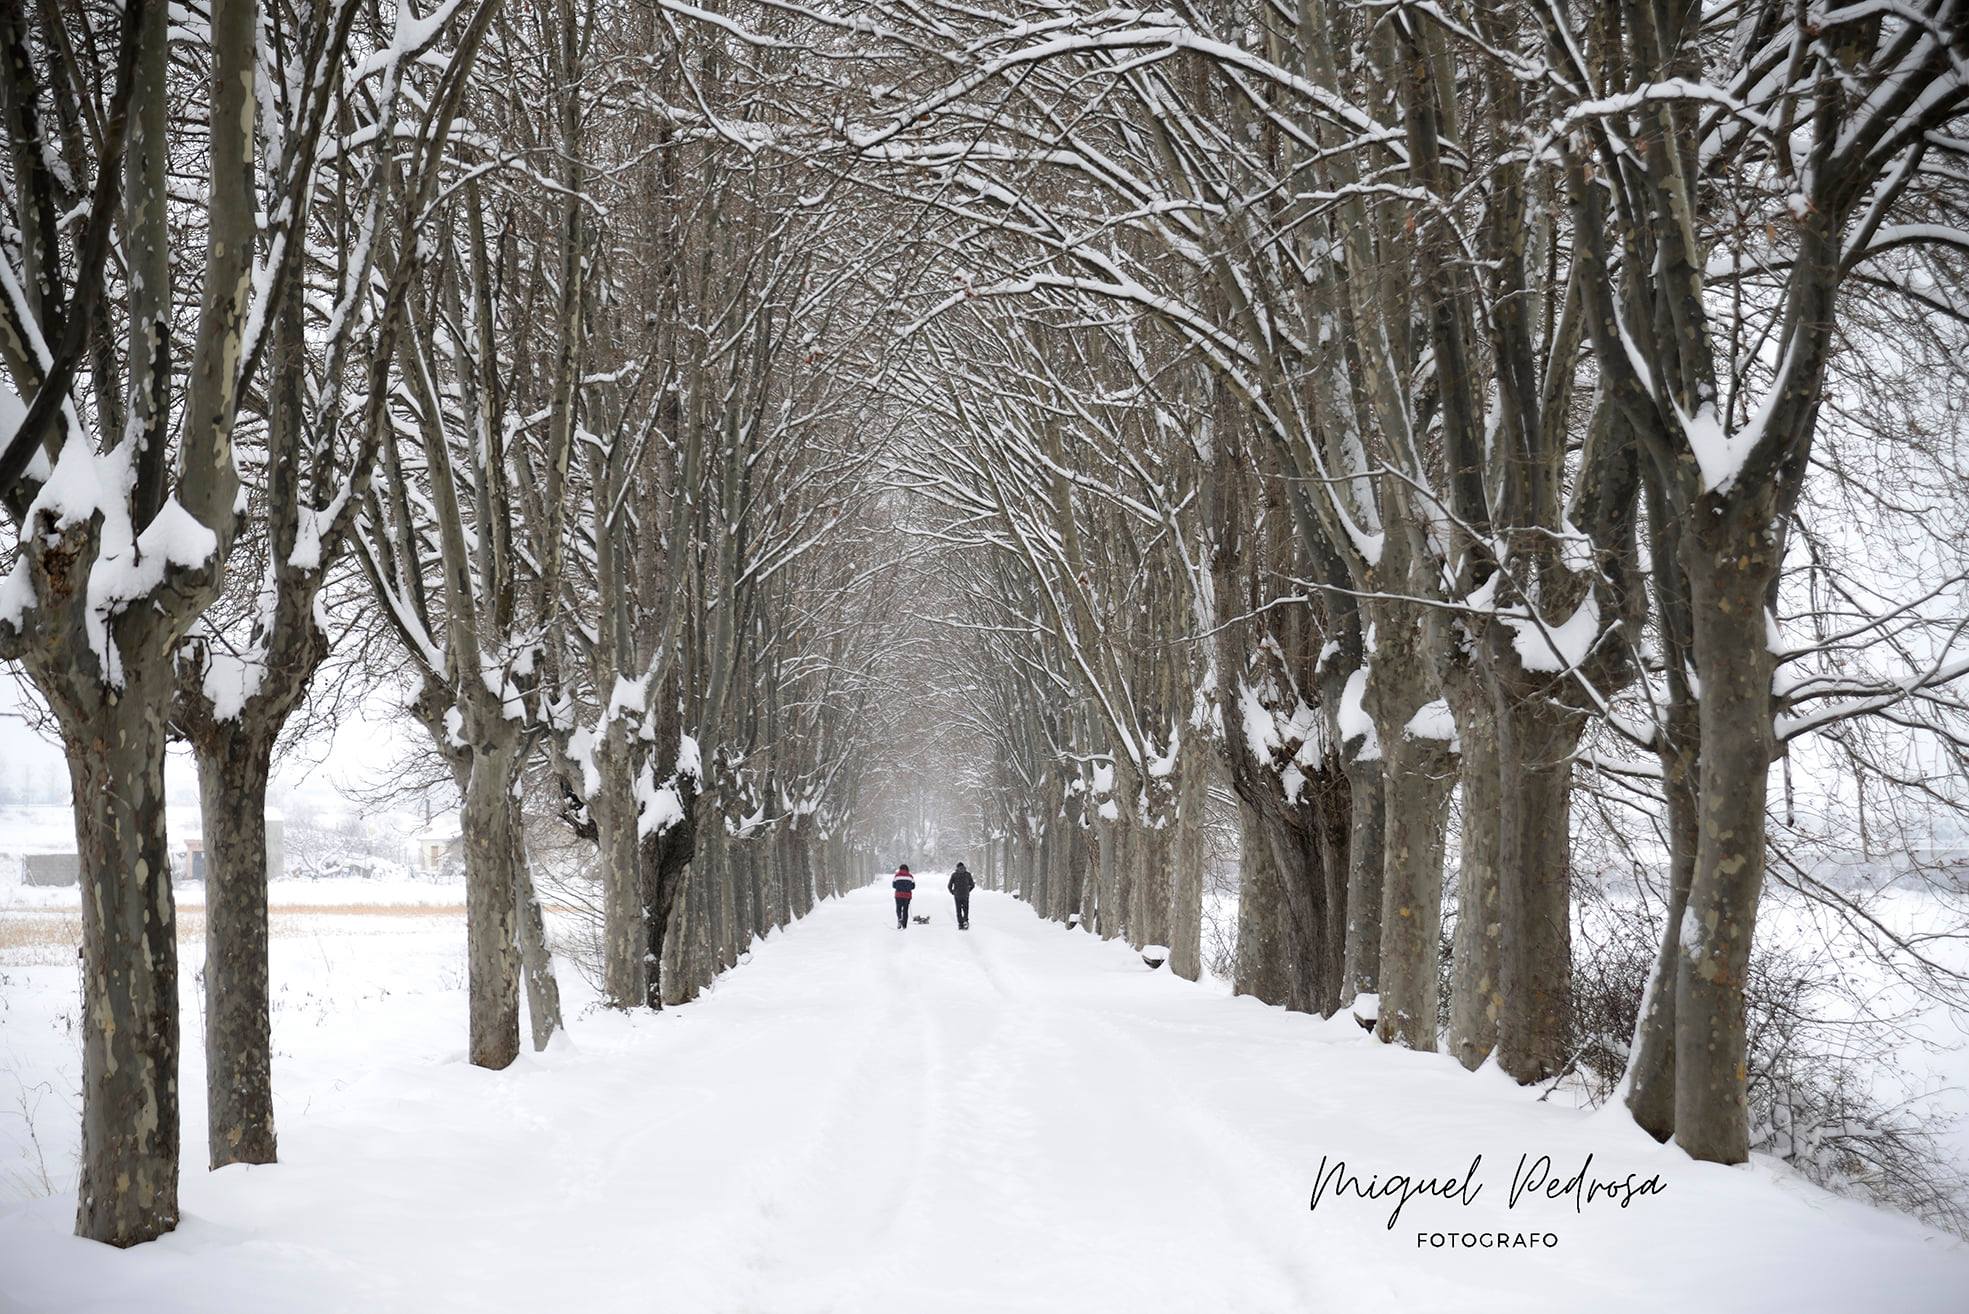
360 750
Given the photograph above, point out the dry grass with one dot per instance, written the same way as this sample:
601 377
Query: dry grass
24 931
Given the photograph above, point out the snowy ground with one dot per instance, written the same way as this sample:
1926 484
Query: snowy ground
863 1120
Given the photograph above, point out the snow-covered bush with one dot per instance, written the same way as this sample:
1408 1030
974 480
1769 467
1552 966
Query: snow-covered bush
1828 1093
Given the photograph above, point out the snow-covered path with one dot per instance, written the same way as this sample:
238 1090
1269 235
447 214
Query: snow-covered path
1016 1118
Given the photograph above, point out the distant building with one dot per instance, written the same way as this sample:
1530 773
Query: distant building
43 836
194 868
50 869
440 842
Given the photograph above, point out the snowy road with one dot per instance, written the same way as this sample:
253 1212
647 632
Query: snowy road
1016 1118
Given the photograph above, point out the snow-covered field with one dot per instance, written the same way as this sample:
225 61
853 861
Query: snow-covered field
857 1119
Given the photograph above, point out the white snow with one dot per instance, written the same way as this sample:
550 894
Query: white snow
16 595
128 565
231 679
1293 781
1561 647
581 745
1010 1118
1720 453
1432 721
690 758
1260 734
12 410
658 807
627 696
1353 720
176 537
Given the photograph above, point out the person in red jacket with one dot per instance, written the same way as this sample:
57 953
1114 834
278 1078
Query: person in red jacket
904 885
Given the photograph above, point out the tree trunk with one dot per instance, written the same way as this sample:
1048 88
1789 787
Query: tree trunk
1332 803
128 1191
1080 855
1475 991
491 930
1651 1072
543 992
742 868
1367 833
1114 865
626 955
1263 941
1149 897
1536 739
1420 776
1187 857
704 946
1048 858
1730 572
712 870
676 965
232 785
1284 831
663 864
1099 853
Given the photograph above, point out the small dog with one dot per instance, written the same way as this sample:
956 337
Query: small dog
920 921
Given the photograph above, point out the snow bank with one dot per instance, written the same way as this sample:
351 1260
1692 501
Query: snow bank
1008 1118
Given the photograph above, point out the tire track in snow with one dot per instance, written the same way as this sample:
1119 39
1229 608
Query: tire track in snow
789 1199
854 1178
1209 1133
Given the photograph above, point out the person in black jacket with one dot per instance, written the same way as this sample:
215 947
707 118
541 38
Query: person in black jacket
904 885
960 888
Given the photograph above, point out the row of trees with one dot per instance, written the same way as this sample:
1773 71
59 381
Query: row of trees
1396 411
489 330
1433 403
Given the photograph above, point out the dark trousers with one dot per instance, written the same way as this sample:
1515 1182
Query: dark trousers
963 898
902 910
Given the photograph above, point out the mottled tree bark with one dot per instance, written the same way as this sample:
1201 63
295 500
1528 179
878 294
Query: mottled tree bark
1036 895
1536 741
232 787
1366 841
1332 803
543 992
663 862
1111 915
128 1190
1651 1071
1186 854
712 878
1475 992
678 985
491 920
1100 854
1730 567
625 950
1420 776
1148 887
1263 939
